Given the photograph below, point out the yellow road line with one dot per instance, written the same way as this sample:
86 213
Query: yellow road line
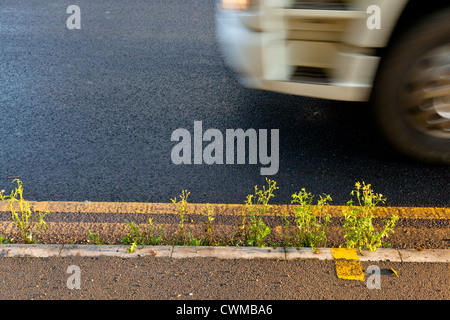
220 209
347 264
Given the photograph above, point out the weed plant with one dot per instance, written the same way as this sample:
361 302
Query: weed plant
359 231
29 223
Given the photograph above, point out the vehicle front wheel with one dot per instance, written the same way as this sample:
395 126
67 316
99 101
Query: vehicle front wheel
411 93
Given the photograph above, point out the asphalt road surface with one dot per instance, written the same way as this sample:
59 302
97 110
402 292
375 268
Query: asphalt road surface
150 278
88 114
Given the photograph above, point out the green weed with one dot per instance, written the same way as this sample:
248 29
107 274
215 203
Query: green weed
252 230
29 223
181 208
208 239
3 239
193 241
95 239
150 235
358 225
311 223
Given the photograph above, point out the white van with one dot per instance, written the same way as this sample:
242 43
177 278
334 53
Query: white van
394 53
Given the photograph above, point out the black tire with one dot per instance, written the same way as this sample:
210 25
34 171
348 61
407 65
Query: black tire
403 70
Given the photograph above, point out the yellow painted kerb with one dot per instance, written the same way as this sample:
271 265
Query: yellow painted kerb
220 209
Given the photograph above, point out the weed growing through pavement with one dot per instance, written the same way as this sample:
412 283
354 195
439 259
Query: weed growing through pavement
133 237
310 221
252 230
181 208
208 239
3 239
358 225
94 238
192 240
150 235
29 223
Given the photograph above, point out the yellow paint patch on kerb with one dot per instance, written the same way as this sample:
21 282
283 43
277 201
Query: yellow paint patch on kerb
347 263
344 253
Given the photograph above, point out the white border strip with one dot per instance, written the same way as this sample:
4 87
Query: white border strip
182 252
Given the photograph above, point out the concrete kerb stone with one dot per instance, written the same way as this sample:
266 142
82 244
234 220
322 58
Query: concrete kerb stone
229 252
426 255
381 254
25 250
180 252
115 251
307 253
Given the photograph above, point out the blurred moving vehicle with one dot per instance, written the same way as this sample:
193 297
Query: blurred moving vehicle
394 53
